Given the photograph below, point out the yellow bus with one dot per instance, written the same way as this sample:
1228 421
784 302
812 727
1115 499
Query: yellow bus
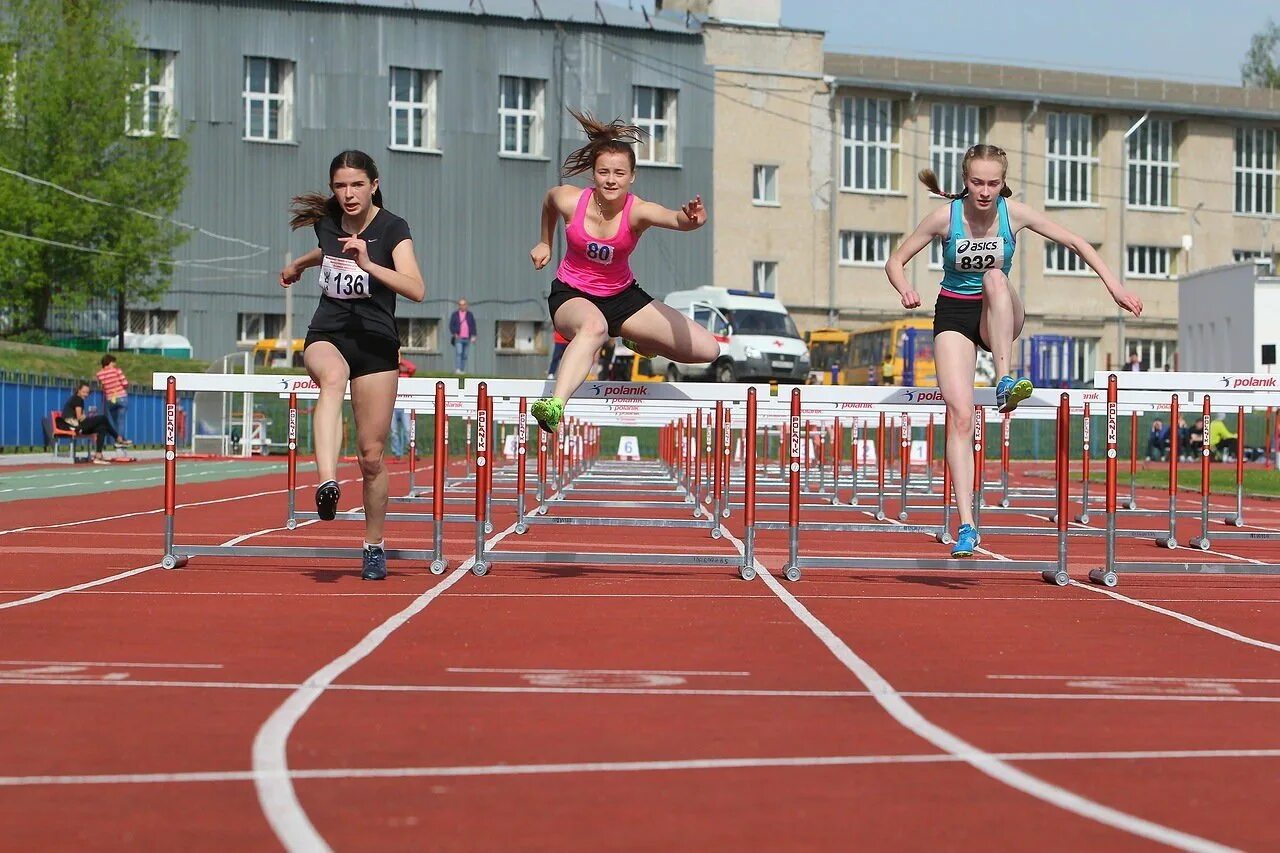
860 353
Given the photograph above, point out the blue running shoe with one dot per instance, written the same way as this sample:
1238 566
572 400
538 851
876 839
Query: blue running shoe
375 564
967 538
1009 393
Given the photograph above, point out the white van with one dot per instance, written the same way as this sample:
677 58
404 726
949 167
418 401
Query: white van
758 338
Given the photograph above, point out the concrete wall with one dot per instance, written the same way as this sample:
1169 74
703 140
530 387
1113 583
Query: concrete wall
1216 320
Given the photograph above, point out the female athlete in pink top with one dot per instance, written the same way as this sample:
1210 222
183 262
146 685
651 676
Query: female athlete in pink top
595 296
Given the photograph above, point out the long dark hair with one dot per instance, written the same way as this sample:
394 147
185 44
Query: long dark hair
977 152
601 138
309 208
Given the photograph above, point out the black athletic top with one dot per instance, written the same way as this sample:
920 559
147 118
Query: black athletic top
351 300
75 401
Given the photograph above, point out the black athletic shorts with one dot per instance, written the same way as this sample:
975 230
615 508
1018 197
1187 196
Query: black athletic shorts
616 309
365 353
959 315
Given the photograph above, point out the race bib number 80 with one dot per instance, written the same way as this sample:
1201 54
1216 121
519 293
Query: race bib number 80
341 278
601 253
980 255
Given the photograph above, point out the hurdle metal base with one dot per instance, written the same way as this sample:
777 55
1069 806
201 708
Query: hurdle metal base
182 553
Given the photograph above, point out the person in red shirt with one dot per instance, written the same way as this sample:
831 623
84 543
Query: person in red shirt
400 418
115 389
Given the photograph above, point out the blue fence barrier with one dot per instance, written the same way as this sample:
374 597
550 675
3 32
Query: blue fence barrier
26 401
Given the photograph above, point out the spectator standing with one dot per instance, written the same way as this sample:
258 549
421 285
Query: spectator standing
462 331
400 417
1135 363
115 389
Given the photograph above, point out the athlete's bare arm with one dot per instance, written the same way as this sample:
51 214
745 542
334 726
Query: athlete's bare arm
558 206
691 215
1023 216
933 225
293 271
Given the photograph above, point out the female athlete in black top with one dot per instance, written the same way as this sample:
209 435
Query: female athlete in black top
365 255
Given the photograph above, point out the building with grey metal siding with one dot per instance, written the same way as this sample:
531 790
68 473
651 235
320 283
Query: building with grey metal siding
318 75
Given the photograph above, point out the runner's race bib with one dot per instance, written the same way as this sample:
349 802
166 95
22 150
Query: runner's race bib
600 253
341 278
986 253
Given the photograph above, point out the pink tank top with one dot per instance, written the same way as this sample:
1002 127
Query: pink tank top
592 265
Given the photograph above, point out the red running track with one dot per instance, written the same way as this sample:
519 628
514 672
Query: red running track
617 707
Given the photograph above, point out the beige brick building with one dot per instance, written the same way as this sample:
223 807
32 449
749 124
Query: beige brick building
1196 185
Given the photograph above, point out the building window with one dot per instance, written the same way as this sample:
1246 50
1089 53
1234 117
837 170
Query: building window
1070 162
870 146
268 99
254 327
1084 360
520 116
655 114
419 334
865 248
413 109
1255 170
1149 262
151 109
1155 354
1151 165
764 276
1060 260
520 336
153 322
764 185
1263 259
953 130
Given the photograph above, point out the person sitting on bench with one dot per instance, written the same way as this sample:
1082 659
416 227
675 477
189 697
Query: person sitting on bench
98 426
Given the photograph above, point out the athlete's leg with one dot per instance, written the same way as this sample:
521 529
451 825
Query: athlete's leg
660 329
1002 319
955 357
373 398
581 322
329 370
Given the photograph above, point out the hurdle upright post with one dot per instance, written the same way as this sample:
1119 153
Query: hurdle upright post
439 466
1202 541
482 482
1062 465
1238 518
748 570
1085 454
979 462
170 561
1107 574
522 440
1174 456
291 522
792 569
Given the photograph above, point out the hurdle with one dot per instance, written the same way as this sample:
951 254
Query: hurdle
595 403
1053 571
177 555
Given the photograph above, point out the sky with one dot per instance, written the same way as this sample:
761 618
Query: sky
1193 40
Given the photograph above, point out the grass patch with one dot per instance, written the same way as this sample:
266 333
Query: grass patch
77 364
1222 479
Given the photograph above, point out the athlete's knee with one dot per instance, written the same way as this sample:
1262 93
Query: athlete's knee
593 329
960 419
371 461
995 280
705 347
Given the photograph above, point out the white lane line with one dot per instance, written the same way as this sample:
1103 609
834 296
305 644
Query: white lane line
594 671
12 681
1153 678
111 664
276 795
54 593
1181 617
622 766
907 716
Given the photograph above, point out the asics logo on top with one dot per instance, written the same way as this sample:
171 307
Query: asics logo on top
977 246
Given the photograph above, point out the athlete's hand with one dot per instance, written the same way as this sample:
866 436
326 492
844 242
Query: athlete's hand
1128 300
359 250
910 299
540 254
695 212
289 275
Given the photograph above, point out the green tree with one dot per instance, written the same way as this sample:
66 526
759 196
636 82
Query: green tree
1261 68
75 116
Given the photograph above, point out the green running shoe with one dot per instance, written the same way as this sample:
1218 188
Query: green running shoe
547 412
635 348
1010 393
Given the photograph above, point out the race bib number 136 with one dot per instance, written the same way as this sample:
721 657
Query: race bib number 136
978 255
341 278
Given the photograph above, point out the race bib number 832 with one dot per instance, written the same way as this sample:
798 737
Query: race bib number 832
979 255
341 278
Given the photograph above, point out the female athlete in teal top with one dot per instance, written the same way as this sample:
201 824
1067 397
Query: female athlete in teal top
976 305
